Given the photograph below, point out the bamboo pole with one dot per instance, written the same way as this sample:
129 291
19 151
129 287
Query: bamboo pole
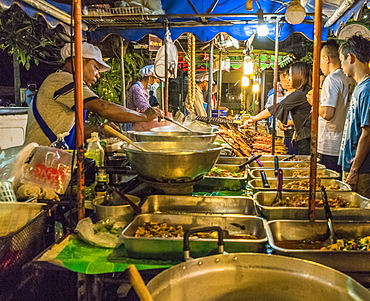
77 17
276 74
315 105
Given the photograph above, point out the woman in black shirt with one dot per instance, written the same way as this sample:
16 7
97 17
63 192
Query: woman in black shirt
295 103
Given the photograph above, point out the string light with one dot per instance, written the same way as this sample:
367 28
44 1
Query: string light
295 13
247 65
245 81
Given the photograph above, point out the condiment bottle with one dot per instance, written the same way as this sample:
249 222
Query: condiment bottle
102 185
95 150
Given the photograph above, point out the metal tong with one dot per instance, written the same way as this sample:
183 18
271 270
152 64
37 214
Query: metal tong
329 217
242 166
279 195
276 165
262 172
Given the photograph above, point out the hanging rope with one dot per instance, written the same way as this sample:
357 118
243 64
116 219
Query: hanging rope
191 72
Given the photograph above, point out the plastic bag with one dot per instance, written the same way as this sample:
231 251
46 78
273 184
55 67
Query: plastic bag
49 167
104 233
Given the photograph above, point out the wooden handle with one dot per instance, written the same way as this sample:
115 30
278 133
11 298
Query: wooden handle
138 284
122 137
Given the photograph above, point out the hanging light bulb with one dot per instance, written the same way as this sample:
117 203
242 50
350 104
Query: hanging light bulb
255 87
262 28
245 80
295 13
248 5
248 65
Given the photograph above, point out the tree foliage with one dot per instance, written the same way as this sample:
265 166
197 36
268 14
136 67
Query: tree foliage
28 39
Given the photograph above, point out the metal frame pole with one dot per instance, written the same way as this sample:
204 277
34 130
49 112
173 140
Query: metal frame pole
315 106
276 74
210 82
77 17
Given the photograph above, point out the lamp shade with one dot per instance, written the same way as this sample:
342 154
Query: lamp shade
295 13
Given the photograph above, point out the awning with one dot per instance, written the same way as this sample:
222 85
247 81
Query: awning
210 17
54 12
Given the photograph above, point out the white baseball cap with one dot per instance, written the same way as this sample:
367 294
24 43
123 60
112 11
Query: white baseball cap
89 51
147 71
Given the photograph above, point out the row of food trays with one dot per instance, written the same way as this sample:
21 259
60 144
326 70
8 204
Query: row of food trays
251 225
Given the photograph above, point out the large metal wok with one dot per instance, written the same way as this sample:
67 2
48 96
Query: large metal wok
257 277
175 137
173 161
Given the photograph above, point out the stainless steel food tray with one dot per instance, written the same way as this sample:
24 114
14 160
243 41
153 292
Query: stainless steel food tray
175 204
288 173
171 248
293 164
257 185
263 158
224 183
345 261
263 201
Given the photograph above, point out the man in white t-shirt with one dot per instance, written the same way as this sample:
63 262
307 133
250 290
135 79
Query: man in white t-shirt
334 100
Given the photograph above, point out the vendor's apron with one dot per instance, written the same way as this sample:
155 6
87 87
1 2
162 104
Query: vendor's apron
70 139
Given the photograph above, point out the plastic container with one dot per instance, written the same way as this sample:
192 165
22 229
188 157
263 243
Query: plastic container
7 192
95 150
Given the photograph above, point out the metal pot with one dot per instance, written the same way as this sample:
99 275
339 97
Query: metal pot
173 161
175 136
117 209
256 277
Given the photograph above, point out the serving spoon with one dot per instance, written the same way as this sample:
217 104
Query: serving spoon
123 137
179 124
329 217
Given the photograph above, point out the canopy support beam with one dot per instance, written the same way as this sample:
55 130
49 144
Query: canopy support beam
315 106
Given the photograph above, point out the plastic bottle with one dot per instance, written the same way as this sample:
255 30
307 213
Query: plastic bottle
95 150
60 142
102 185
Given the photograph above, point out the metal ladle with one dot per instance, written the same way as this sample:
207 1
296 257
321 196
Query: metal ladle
332 237
123 137
179 124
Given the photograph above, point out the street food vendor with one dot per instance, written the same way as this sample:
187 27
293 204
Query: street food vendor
52 111
138 95
198 109
296 104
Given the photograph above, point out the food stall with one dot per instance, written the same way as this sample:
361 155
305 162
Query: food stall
245 231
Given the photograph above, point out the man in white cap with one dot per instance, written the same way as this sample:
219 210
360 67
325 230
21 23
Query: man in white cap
53 109
201 80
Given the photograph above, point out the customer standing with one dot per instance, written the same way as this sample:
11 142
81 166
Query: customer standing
296 104
334 100
354 156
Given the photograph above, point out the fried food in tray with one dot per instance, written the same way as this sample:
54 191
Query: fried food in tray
245 142
220 172
305 184
302 201
355 244
164 230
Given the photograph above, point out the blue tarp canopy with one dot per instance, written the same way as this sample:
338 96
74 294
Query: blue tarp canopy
184 16
239 27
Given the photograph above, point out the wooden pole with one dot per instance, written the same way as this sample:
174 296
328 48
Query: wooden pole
166 79
315 105
77 18
276 74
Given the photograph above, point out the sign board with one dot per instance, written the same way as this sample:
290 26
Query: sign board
154 43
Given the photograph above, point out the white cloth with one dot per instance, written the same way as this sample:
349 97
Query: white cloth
270 100
336 93
198 102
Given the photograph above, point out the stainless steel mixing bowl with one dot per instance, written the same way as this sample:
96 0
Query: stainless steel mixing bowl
175 137
173 161
194 127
